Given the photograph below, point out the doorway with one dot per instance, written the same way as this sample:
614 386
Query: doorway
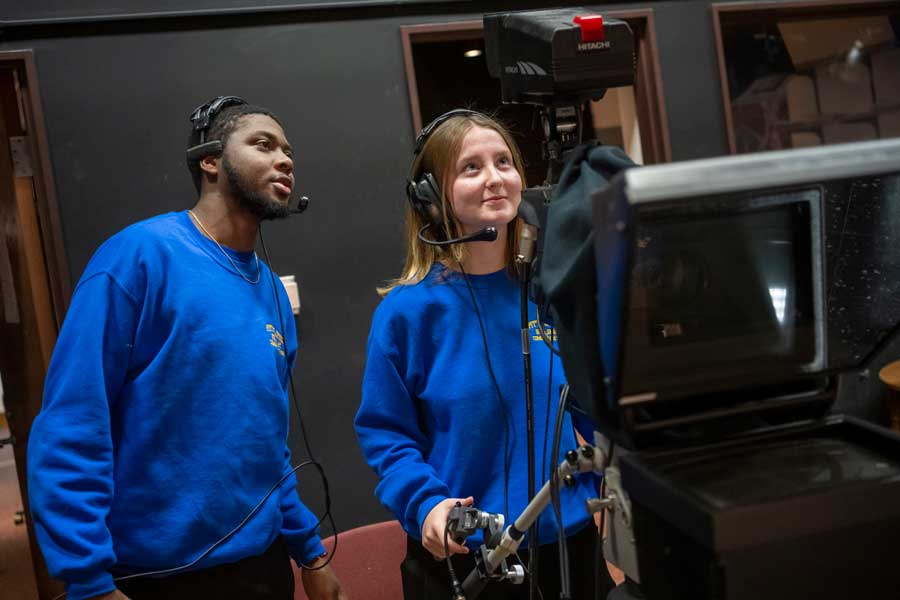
34 291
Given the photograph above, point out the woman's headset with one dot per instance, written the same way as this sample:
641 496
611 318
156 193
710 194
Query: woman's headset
424 192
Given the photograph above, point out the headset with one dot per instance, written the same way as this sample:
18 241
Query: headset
201 120
424 192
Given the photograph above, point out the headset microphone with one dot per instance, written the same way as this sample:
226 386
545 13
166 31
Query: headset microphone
302 205
488 234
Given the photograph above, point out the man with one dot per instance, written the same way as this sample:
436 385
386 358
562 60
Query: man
165 414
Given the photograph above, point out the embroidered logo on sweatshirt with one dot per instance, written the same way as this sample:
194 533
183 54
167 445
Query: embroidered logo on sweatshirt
536 334
276 339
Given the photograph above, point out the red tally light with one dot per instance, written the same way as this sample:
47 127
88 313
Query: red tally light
591 27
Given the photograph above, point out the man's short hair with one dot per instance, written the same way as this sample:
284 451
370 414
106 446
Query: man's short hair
221 127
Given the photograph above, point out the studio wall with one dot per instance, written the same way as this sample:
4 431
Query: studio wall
117 94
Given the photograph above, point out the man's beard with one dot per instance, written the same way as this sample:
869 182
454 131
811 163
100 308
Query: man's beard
255 203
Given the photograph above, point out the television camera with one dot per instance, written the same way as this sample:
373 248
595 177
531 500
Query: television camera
707 313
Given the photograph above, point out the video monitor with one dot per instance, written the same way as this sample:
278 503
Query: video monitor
728 274
724 289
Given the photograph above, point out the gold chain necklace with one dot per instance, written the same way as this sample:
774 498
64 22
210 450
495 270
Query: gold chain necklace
233 264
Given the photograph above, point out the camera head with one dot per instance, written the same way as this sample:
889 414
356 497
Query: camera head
558 57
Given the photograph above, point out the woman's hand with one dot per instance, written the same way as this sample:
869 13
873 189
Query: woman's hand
434 525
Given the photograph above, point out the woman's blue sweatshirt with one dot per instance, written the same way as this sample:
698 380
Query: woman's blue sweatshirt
165 414
430 422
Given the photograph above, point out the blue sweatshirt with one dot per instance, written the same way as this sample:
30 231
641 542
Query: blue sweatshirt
165 415
430 422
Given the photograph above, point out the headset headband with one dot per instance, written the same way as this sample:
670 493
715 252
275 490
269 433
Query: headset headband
201 120
203 114
427 131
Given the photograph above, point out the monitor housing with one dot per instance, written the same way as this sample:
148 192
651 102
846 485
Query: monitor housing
737 286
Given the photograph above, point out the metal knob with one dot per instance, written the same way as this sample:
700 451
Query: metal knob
516 574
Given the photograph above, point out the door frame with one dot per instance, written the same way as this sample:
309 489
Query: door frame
40 275
58 275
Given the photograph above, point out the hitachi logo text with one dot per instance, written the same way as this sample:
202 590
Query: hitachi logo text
593 46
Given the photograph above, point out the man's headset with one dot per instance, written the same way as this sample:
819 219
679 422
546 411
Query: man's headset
424 192
201 119
199 147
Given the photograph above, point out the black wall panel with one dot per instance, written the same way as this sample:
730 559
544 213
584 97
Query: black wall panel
117 97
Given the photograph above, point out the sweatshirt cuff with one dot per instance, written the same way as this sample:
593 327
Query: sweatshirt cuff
425 508
95 585
308 551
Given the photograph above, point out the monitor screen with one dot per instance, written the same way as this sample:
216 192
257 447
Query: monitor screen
720 292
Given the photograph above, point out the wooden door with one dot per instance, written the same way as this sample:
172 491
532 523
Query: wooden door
28 325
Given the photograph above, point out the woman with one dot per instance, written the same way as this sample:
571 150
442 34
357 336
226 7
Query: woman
442 418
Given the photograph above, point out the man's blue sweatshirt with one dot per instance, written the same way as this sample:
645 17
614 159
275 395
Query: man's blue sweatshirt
165 414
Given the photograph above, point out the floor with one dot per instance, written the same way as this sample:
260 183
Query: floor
16 574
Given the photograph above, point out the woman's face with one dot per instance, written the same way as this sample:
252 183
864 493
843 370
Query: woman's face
486 189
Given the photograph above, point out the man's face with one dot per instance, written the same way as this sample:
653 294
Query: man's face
258 165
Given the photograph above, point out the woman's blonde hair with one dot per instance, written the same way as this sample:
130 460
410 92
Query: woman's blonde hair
438 157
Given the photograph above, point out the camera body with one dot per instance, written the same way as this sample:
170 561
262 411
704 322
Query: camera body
558 57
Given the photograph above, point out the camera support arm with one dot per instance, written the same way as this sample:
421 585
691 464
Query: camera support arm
563 129
585 459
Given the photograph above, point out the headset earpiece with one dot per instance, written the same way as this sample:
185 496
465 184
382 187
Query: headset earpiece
201 119
425 196
201 151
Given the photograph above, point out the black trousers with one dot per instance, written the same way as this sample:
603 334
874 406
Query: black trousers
425 578
268 576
